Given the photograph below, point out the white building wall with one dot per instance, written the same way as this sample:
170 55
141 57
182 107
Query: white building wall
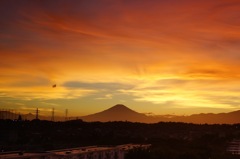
78 153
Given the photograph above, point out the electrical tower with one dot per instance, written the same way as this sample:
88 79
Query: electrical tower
66 115
37 112
52 118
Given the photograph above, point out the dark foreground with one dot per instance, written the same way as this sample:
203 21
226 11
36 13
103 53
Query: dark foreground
169 140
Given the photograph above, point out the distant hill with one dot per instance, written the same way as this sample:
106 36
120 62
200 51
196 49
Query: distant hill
120 112
15 116
227 118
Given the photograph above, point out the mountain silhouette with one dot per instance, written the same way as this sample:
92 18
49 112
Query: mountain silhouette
118 112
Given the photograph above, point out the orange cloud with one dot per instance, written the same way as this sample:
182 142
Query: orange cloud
129 42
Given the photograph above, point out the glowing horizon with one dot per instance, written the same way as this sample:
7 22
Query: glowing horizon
164 57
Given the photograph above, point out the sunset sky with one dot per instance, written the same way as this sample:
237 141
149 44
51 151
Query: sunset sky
177 57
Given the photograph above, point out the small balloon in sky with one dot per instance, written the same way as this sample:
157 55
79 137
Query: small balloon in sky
54 85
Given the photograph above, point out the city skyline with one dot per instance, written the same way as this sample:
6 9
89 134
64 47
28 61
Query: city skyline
162 57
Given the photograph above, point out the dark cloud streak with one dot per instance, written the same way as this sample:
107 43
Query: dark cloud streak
96 86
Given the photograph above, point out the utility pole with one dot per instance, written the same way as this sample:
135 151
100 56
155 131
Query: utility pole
12 114
15 114
8 114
